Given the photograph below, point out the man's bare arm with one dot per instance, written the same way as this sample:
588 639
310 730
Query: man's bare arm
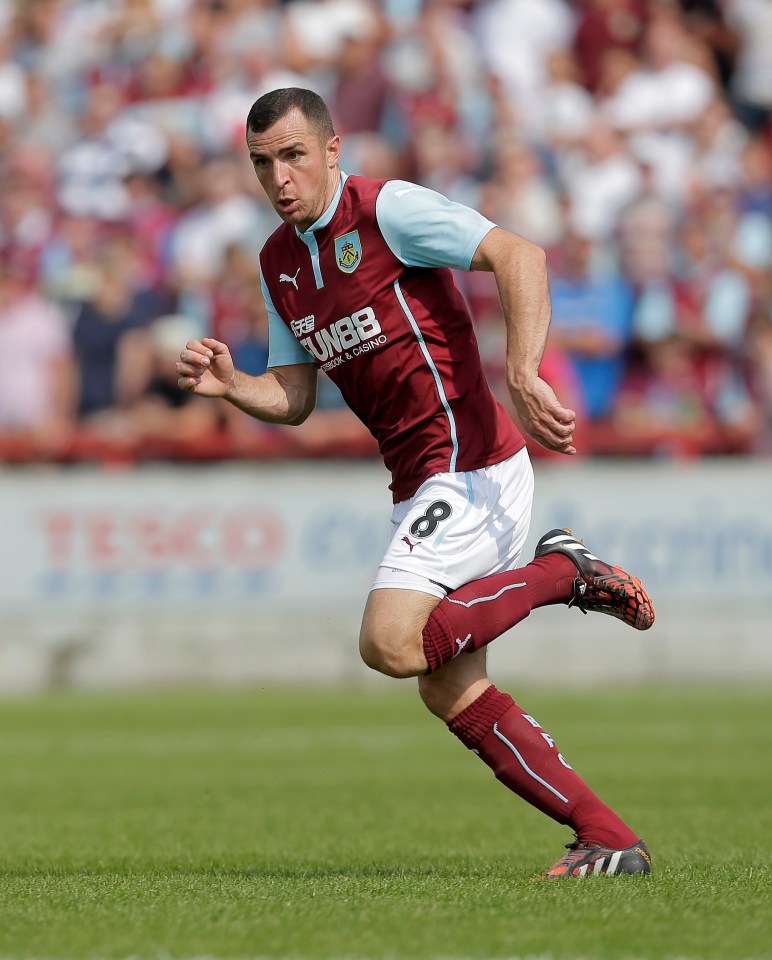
281 395
521 277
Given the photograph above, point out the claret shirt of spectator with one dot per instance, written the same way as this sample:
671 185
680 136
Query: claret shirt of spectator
367 293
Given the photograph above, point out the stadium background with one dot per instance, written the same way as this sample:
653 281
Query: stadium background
149 537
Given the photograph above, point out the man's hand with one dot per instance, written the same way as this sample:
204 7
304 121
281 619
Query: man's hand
543 417
205 368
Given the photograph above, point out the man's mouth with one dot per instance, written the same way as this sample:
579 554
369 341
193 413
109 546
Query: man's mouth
286 203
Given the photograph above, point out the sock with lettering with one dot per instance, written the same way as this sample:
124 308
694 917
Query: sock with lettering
480 611
525 759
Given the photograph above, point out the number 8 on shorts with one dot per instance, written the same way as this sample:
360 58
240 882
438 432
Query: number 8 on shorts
426 524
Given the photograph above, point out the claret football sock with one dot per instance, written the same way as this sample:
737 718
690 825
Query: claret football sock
480 611
526 760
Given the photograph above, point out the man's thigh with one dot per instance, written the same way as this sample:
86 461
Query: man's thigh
397 615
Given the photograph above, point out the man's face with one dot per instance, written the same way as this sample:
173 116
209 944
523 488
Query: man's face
297 171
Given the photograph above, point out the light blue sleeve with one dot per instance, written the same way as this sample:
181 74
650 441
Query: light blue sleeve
283 348
425 229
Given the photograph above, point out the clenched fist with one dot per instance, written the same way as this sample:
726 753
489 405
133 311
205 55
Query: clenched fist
205 368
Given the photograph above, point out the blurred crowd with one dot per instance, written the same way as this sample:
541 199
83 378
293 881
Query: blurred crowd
629 138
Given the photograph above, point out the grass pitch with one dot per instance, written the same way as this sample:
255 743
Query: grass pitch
349 824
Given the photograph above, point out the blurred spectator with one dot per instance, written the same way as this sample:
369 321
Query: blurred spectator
442 77
372 155
705 308
671 86
717 145
69 260
316 32
13 81
25 218
162 414
518 196
440 161
567 108
64 41
112 346
662 409
236 297
755 186
158 96
645 232
707 20
223 216
250 339
361 95
591 322
605 25
602 180
516 37
181 174
705 301
45 123
248 61
133 32
751 83
109 146
36 389
150 219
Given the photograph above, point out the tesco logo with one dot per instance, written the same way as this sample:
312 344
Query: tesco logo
197 538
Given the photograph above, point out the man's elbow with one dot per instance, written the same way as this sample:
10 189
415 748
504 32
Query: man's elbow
302 414
527 248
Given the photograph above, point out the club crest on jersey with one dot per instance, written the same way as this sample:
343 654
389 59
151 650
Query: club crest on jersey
348 251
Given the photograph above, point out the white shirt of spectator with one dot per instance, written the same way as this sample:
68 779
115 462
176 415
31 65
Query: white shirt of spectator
13 90
34 332
660 98
752 79
599 193
515 37
321 27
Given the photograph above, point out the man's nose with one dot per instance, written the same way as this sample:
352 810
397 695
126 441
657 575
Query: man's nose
280 173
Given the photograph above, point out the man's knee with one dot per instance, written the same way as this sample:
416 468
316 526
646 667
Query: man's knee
391 639
394 656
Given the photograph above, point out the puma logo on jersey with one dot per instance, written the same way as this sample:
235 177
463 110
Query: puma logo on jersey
304 325
409 543
462 643
401 193
285 278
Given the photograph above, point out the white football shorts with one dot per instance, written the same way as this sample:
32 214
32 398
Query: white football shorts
459 527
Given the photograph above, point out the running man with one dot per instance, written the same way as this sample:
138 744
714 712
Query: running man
358 282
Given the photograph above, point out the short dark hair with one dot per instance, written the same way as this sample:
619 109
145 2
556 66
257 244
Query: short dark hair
269 108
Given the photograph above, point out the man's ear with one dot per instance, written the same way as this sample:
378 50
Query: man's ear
333 151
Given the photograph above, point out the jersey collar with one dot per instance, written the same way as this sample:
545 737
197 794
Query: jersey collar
329 213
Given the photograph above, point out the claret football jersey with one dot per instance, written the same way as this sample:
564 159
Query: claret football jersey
367 293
